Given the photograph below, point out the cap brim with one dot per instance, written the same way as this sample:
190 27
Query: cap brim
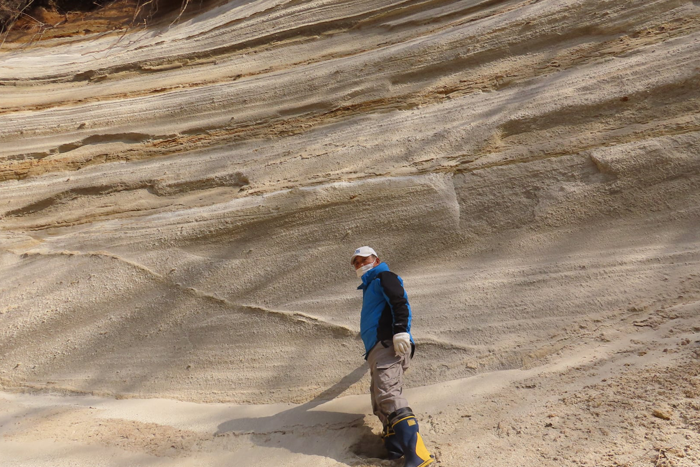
352 260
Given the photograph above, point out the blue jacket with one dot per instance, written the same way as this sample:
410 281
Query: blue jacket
385 307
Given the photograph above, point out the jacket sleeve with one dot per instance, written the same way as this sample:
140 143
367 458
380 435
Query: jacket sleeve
395 294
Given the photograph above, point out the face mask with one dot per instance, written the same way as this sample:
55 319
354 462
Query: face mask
362 270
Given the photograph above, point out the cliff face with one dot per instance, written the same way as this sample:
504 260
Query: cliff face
178 205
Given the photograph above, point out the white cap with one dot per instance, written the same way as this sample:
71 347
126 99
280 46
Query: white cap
363 251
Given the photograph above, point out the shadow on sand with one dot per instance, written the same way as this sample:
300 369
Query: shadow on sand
338 435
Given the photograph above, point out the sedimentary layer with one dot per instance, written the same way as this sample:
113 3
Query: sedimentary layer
178 204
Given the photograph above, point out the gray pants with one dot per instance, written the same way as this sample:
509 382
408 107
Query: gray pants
386 388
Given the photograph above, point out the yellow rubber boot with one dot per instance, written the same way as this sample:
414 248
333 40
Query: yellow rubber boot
391 443
405 425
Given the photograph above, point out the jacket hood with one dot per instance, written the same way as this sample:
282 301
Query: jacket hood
370 275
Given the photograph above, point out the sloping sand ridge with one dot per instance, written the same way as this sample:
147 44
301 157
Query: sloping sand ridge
178 205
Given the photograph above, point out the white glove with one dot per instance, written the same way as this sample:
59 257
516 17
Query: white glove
402 343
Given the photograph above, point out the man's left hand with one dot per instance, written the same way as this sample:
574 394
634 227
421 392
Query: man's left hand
402 343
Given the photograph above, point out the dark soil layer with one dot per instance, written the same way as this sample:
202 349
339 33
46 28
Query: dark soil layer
36 20
13 10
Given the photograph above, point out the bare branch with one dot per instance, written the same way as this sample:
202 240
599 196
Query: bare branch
182 10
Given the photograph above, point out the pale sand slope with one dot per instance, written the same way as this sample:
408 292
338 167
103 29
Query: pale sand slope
178 206
625 394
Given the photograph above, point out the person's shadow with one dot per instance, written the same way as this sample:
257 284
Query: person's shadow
301 429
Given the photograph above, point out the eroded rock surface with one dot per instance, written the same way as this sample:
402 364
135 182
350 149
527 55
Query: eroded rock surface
178 204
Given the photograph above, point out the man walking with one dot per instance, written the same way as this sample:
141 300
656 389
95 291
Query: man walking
385 327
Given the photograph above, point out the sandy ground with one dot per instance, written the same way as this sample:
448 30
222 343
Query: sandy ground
178 205
625 394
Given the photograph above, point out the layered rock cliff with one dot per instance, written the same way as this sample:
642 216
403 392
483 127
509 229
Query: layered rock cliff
178 204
